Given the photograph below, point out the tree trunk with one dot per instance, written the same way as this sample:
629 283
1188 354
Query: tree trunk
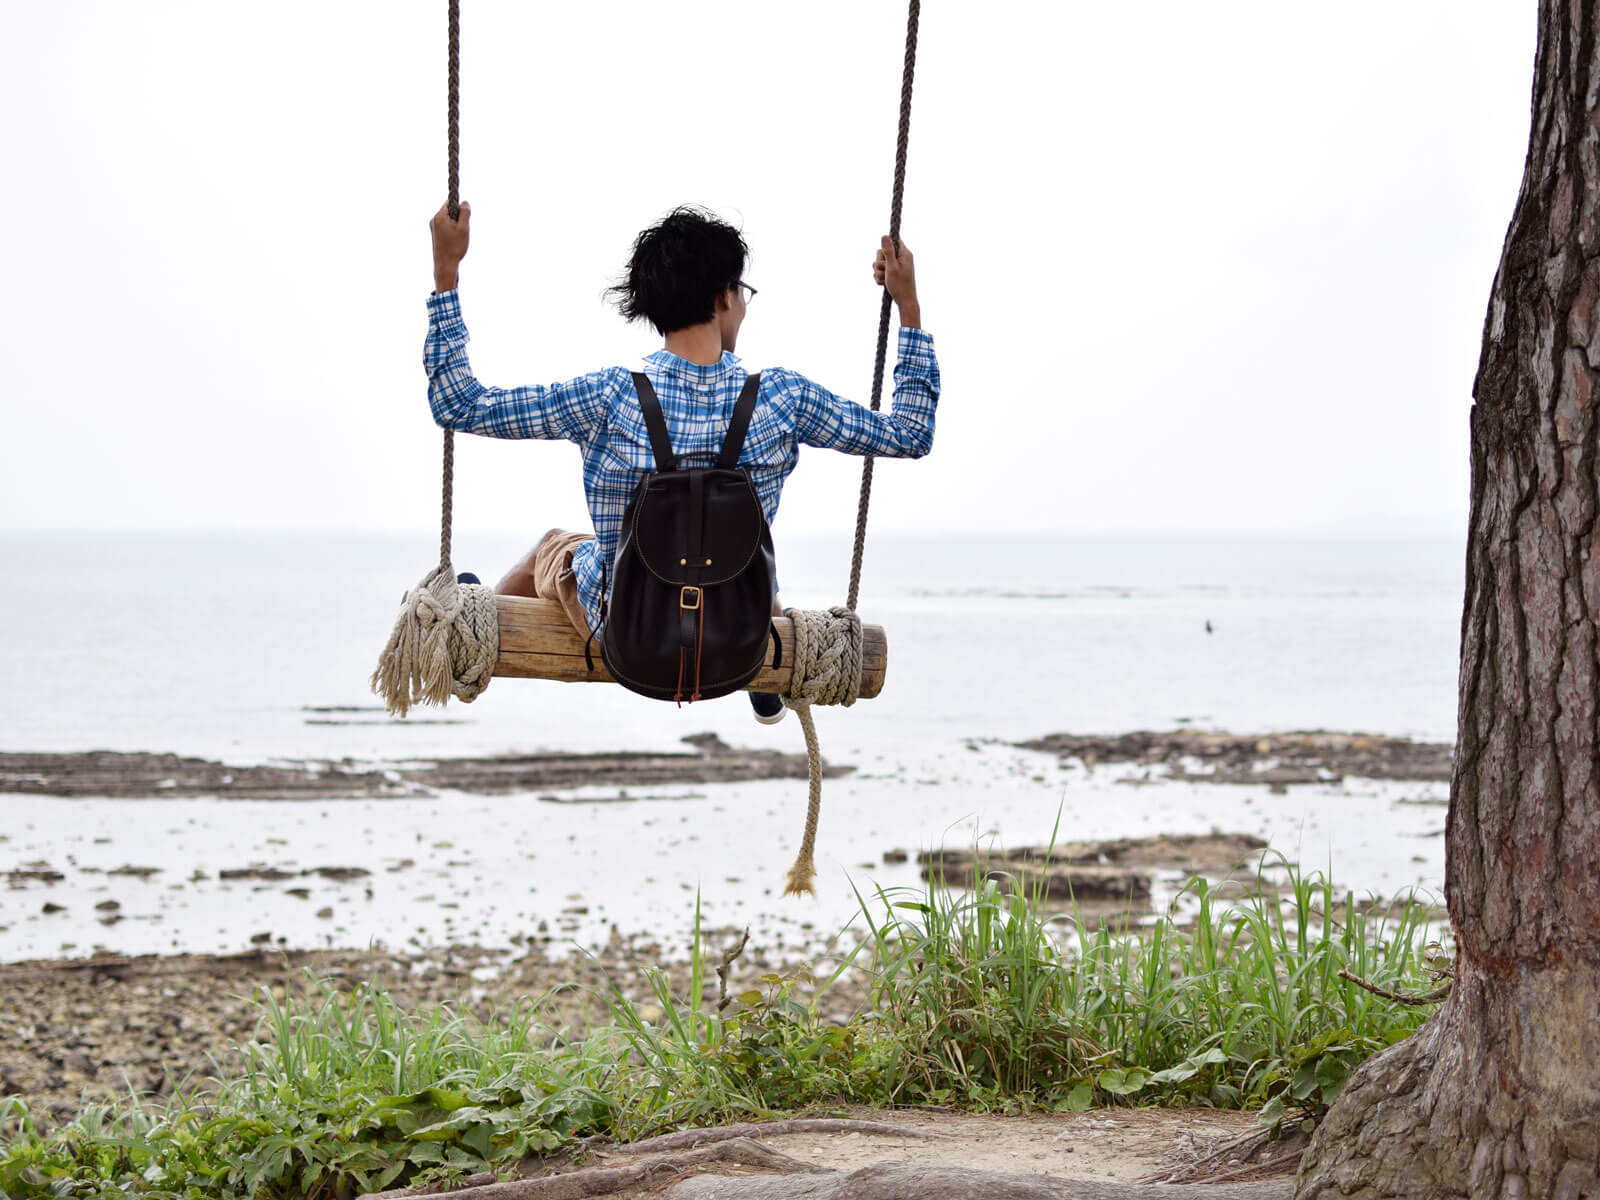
1498 1094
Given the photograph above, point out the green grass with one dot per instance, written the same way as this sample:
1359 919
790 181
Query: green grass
980 999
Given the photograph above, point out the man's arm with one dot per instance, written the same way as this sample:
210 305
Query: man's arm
450 239
571 410
835 423
906 430
895 272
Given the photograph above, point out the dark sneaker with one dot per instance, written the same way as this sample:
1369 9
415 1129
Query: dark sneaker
768 706
467 577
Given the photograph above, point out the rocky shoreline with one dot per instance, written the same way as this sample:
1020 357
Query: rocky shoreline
92 1030
89 1029
116 775
1276 759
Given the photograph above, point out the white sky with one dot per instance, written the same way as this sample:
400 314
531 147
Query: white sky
1190 268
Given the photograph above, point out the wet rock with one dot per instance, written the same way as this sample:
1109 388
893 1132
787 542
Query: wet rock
338 874
1046 880
33 873
257 871
107 906
135 872
1110 869
1316 756
116 775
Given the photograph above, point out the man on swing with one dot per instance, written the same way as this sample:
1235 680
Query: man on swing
686 277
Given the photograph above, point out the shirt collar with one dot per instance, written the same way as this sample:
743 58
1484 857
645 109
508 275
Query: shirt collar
682 368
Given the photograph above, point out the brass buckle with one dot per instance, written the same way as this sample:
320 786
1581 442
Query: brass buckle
686 602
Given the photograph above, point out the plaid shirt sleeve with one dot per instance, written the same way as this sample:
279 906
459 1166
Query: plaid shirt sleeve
573 410
905 431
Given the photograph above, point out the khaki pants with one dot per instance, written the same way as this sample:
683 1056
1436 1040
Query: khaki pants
546 572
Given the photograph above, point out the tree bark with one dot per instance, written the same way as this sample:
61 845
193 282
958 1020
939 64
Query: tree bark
1498 1094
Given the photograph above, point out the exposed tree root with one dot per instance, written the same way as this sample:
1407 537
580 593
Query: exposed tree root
603 1181
1236 1160
895 1181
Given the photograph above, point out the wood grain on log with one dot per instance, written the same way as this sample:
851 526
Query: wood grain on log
538 642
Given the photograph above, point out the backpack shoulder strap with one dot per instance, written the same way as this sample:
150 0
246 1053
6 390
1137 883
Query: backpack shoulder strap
740 425
660 439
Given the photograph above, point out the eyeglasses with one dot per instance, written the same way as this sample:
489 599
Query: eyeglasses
749 292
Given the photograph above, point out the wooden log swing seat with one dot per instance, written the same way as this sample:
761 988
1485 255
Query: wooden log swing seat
537 641
451 638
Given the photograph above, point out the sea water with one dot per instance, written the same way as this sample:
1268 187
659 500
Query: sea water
257 648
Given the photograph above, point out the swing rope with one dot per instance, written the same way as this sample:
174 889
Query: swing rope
453 188
833 632
913 18
447 639
447 636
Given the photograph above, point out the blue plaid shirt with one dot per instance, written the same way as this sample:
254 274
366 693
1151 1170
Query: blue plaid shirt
600 412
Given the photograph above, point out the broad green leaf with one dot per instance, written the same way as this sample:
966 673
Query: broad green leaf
1272 1112
1305 1081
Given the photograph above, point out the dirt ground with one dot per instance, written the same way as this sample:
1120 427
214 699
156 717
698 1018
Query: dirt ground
1126 1144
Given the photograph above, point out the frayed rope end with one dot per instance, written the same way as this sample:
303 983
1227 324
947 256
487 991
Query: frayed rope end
801 876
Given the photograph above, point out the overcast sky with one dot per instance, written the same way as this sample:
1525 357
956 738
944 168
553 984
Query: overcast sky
1189 268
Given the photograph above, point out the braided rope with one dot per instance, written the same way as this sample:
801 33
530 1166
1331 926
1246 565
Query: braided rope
902 143
447 636
827 660
444 643
827 670
453 173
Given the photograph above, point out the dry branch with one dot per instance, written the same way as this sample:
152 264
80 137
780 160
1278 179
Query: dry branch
1433 997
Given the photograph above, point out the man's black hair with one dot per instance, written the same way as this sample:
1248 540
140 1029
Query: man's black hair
679 266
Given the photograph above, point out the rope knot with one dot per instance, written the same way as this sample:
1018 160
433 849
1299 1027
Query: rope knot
827 657
444 644
827 670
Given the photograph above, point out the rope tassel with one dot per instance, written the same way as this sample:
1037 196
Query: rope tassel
827 670
444 644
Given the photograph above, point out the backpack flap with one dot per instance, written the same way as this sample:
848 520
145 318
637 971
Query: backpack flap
730 534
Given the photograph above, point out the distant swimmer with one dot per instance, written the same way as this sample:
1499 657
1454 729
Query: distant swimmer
1208 626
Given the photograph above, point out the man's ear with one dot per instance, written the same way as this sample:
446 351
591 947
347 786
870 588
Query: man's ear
725 299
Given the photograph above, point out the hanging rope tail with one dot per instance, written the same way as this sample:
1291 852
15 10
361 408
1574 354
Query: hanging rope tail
447 636
827 670
840 628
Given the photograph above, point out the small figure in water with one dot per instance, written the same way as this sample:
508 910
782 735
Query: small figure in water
1208 625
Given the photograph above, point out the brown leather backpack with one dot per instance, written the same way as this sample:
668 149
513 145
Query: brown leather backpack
690 611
